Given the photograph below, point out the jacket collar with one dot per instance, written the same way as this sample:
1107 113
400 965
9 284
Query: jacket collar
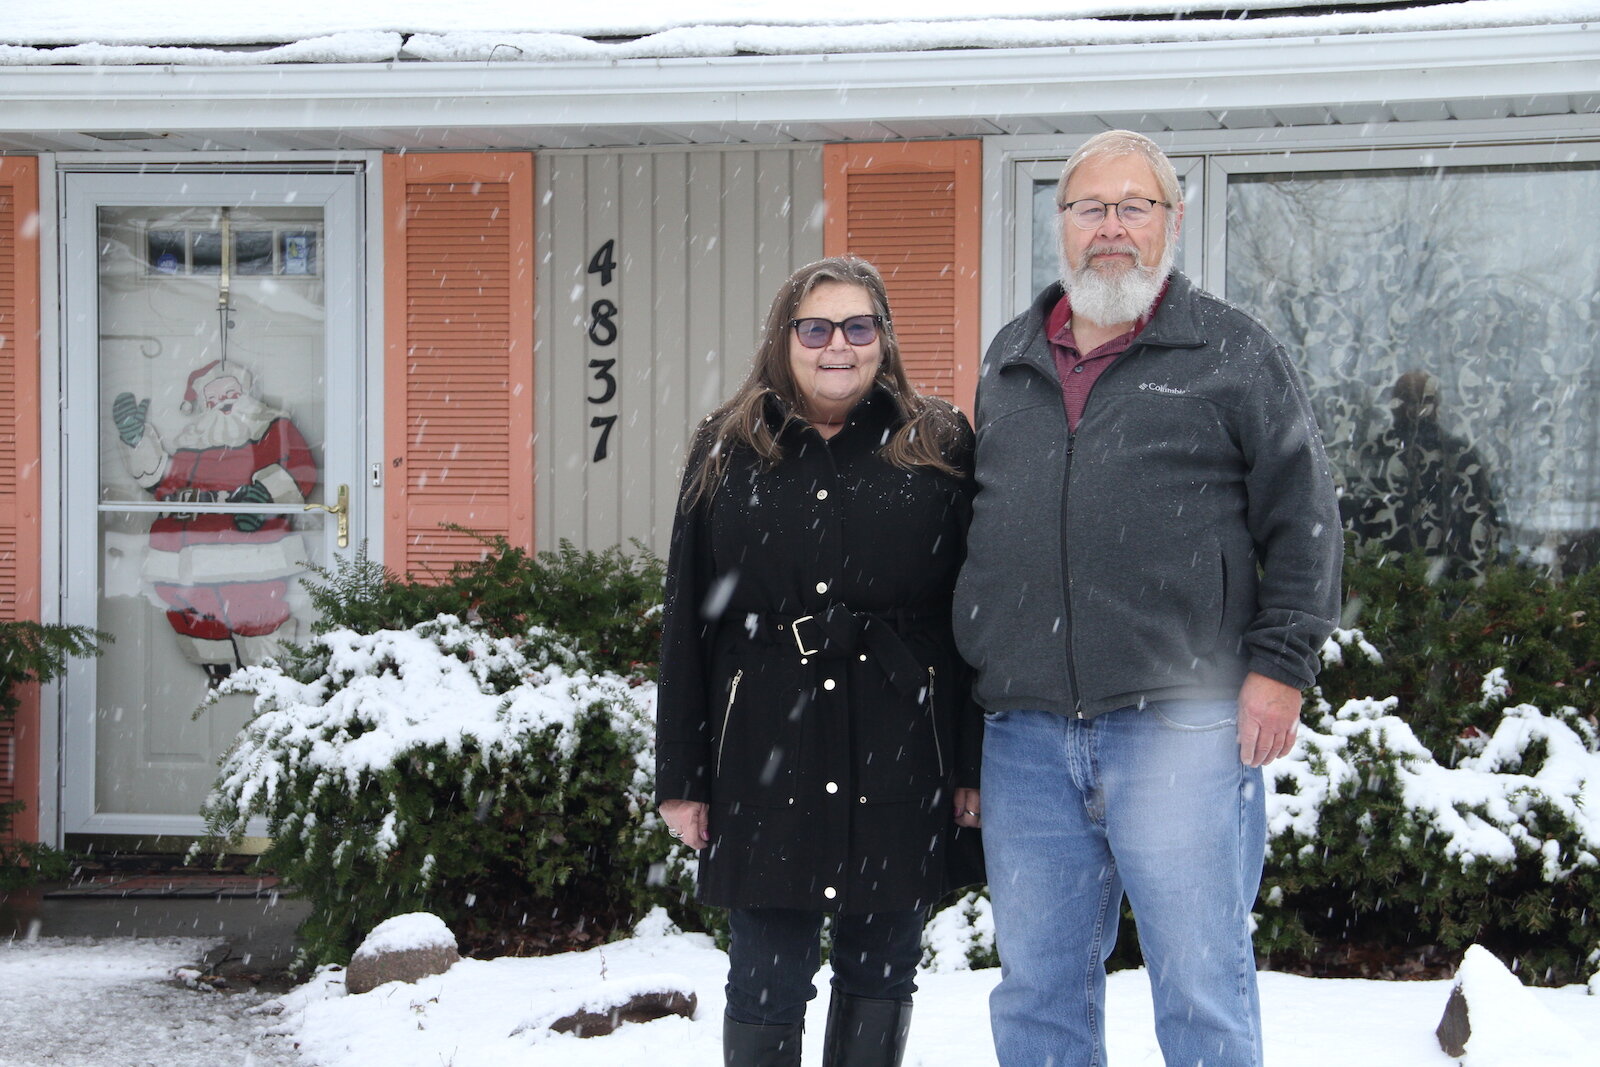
1175 324
876 413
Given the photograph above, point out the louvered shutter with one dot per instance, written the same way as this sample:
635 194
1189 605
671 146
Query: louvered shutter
19 464
458 323
912 210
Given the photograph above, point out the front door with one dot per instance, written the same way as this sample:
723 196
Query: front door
213 442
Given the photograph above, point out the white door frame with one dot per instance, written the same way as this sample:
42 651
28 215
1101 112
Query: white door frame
345 199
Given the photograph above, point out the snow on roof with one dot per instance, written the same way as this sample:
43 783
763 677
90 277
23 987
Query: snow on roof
208 33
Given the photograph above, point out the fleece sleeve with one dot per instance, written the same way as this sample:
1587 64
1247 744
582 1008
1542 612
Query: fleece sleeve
1293 517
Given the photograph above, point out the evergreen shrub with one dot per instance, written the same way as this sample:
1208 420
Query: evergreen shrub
1437 795
497 772
34 652
607 601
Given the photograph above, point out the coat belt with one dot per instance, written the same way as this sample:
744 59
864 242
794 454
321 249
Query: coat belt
837 632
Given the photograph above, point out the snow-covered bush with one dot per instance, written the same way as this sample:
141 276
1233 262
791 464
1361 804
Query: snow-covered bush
498 782
1375 839
960 937
1446 785
1454 652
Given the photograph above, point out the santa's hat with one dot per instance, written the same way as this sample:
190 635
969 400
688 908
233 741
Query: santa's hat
209 373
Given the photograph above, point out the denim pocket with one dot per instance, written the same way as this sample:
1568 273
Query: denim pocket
1196 716
996 716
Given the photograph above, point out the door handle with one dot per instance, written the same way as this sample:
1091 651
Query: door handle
342 510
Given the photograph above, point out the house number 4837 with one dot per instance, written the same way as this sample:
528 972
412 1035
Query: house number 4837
603 330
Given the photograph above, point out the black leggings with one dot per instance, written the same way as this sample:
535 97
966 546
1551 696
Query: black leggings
775 952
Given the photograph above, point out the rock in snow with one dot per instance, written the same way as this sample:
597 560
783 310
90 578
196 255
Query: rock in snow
402 949
1492 1018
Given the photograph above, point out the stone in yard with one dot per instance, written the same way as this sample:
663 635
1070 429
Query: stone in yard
402 949
1491 1015
639 1008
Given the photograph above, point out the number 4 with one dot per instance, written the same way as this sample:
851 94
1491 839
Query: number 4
603 263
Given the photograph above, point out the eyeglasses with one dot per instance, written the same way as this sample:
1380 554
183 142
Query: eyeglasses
858 330
1135 211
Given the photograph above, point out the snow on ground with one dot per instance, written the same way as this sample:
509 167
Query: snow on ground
114 1004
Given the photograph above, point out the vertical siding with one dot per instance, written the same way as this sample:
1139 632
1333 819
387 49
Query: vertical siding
458 354
914 209
703 237
19 465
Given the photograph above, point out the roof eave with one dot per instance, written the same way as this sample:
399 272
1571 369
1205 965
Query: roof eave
777 90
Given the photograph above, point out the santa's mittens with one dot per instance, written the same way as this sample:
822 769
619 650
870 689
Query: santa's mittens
254 493
129 417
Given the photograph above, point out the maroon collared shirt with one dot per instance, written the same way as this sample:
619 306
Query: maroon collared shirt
1078 370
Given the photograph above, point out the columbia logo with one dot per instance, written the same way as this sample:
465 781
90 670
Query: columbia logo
1157 387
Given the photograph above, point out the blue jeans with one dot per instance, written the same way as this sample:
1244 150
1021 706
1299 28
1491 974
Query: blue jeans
1150 802
773 953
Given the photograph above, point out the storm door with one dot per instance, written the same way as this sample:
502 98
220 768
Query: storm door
213 412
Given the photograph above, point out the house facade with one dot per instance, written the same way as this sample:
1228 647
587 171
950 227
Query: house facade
265 300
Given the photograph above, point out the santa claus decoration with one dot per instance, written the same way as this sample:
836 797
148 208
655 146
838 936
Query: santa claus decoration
222 576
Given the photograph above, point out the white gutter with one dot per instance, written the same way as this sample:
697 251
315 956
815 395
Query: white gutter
972 84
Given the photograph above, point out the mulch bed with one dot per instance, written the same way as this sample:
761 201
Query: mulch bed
1405 963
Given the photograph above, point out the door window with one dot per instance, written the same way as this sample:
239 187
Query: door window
213 397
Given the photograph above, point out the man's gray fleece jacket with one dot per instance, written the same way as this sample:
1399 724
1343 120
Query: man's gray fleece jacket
1185 535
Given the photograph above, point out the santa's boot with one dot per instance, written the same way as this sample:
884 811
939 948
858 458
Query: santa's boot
863 1032
757 1045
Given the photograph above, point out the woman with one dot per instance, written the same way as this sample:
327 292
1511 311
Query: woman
813 717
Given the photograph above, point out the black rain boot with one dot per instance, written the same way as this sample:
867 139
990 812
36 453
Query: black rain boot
863 1032
755 1045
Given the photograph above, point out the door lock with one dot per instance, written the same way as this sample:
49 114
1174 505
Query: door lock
342 510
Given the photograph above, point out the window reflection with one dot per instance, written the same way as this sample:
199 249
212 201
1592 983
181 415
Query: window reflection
1446 321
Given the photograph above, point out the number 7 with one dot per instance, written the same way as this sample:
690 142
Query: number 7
603 423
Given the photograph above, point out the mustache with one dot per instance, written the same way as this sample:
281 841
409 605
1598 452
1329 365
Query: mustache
1093 251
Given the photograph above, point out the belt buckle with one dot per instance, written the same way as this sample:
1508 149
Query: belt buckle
794 627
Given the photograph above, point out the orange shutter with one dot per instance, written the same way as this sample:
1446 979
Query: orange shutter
912 210
19 464
458 378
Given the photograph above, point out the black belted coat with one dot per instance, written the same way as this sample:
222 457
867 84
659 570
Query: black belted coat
810 690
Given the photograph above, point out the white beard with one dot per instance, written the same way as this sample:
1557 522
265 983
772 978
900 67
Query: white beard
215 428
1112 298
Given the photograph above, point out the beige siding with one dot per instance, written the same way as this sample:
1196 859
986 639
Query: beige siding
703 237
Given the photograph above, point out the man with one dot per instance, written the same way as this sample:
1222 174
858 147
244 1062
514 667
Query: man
1418 487
1152 569
223 577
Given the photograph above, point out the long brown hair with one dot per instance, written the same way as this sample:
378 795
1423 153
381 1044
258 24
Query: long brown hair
929 426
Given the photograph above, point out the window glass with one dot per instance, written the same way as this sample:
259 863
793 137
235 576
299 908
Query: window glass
1446 322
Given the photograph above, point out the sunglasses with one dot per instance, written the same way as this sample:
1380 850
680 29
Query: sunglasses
816 333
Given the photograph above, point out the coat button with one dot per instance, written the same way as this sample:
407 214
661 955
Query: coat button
863 800
822 587
832 787
827 683
863 657
822 494
830 892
